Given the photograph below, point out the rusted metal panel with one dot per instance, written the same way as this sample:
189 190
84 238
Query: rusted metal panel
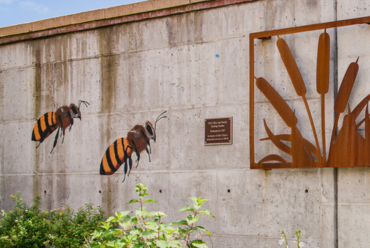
348 148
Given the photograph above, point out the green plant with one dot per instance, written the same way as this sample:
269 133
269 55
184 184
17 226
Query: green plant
146 229
26 226
297 241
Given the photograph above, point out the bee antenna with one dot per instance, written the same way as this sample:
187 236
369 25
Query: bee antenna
84 102
158 118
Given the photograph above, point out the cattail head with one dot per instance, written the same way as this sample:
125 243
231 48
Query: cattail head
291 67
323 63
346 87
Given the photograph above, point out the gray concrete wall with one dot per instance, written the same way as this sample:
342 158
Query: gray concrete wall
140 69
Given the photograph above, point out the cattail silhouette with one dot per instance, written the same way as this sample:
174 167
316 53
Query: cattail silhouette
322 81
343 97
298 83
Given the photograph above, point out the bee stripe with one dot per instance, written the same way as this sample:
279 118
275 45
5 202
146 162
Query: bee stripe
119 161
39 129
120 150
109 161
43 122
49 129
52 120
112 156
35 134
104 167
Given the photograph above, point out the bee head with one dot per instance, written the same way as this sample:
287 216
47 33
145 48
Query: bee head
150 130
75 111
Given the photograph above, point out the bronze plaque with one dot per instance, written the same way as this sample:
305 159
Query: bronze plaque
218 131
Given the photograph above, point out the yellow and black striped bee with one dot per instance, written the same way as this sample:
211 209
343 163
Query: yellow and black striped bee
60 119
118 153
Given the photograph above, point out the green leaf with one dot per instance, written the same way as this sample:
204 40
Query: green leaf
192 219
200 200
187 208
199 243
140 244
181 222
174 243
146 233
122 214
134 220
183 231
161 243
132 201
205 211
151 214
161 236
126 218
110 219
203 229
150 201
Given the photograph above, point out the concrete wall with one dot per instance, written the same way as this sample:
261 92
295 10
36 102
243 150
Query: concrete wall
138 69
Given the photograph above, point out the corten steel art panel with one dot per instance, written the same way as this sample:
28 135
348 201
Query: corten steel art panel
347 147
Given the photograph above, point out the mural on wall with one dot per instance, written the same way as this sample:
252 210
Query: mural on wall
62 118
347 147
137 140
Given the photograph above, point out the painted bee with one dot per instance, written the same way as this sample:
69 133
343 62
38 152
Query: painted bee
60 119
118 153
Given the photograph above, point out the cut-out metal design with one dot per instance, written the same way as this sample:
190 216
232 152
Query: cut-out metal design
347 147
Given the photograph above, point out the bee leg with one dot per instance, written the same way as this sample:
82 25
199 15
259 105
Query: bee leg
63 132
38 145
70 121
137 154
61 126
130 165
148 152
124 168
55 140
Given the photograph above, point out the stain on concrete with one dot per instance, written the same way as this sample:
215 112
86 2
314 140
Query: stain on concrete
172 29
108 67
36 61
198 26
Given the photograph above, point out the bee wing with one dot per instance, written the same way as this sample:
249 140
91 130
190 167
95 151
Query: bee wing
114 122
115 155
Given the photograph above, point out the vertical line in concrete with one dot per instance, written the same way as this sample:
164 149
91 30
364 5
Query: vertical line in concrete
335 58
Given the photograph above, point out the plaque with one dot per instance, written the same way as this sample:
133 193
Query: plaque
218 131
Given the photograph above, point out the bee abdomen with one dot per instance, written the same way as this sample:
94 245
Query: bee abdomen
113 157
44 127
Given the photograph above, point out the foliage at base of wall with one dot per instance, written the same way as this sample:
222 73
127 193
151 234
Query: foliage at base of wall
146 229
26 226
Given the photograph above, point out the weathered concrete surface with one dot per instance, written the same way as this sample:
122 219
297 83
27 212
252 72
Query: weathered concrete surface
139 69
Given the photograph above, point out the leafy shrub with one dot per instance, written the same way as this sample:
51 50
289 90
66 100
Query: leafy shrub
30 227
146 229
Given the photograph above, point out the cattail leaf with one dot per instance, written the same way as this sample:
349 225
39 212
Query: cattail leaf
323 63
291 67
276 140
346 88
272 157
277 101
